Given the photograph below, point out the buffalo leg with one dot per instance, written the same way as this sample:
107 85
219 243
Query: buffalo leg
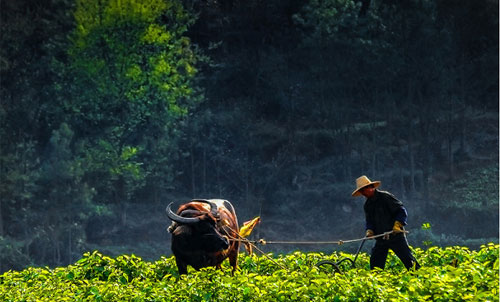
233 257
181 266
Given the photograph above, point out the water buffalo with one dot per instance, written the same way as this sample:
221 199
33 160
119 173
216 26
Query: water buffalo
201 232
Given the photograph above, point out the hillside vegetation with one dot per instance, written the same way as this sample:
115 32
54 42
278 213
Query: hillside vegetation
110 110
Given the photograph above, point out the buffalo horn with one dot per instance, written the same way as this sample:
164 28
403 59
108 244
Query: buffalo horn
180 219
191 213
213 206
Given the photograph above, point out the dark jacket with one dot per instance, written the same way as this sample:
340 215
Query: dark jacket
382 210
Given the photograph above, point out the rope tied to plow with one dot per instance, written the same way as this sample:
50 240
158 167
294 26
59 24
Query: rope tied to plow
254 243
339 242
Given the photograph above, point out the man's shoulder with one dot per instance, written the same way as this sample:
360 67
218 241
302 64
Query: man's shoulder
388 195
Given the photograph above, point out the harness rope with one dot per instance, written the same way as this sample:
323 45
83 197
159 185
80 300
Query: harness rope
339 242
254 243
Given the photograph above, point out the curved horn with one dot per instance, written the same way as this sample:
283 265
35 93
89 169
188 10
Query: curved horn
191 213
180 219
213 206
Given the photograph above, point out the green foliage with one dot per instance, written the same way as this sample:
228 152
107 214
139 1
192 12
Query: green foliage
12 254
128 80
91 92
132 72
426 227
99 118
138 66
476 189
450 274
328 19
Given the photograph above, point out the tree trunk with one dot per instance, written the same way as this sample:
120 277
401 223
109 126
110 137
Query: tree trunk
56 253
402 183
247 176
204 169
412 168
401 173
463 108
374 165
121 200
450 145
1 232
1 219
426 164
425 148
219 185
70 240
450 137
411 134
193 181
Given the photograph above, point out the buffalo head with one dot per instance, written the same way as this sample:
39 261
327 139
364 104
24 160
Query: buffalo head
196 231
200 234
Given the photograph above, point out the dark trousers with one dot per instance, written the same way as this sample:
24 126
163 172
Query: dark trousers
399 246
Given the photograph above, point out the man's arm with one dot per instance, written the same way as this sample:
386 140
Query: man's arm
402 215
369 227
397 209
398 212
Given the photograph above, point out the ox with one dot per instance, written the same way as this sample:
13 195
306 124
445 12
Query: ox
200 234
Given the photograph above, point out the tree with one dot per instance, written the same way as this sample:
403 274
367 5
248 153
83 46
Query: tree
130 80
65 200
33 34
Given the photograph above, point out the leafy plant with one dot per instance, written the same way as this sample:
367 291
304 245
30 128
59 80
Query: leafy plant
426 227
447 274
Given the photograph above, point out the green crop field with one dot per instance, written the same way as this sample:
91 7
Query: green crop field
447 274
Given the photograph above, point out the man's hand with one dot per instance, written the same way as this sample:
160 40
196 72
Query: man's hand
398 227
369 233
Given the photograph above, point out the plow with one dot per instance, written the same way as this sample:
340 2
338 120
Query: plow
336 265
247 228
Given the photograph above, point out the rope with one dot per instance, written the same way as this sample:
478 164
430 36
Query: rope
252 243
339 242
263 242
267 256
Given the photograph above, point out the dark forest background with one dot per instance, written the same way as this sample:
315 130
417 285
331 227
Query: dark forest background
112 109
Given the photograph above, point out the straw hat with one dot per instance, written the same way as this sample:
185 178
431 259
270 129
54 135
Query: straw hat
362 182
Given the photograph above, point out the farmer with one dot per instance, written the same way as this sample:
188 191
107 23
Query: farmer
384 213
